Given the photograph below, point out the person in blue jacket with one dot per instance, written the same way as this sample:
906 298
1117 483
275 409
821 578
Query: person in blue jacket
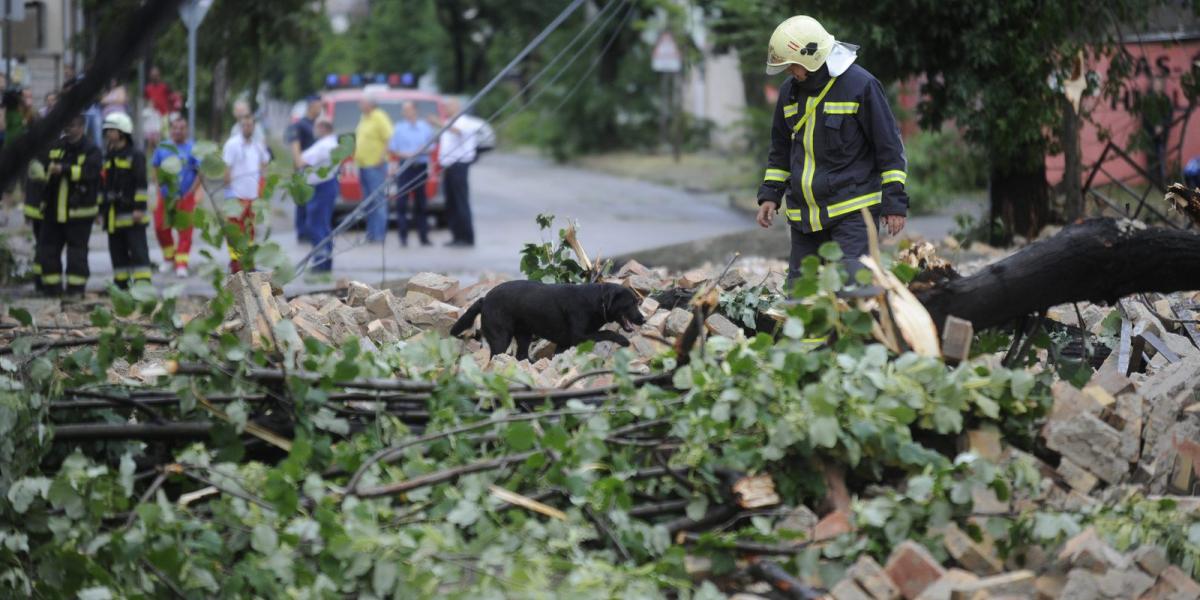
835 147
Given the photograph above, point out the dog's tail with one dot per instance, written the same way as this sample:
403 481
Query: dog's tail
466 321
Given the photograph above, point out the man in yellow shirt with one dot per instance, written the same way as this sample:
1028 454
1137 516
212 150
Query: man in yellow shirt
370 154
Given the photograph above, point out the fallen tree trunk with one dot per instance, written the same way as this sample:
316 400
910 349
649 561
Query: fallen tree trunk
1098 260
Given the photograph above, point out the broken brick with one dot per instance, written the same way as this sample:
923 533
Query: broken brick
438 287
357 292
871 578
1152 559
1018 584
847 589
721 326
912 568
693 279
954 579
1173 582
984 442
678 321
1076 477
968 553
1087 551
1087 440
832 525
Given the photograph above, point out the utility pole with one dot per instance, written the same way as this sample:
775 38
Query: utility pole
668 60
192 12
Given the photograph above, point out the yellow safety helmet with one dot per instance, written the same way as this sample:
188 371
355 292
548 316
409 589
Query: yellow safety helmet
800 40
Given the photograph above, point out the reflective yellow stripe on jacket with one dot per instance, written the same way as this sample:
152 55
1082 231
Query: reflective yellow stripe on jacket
895 176
841 108
810 163
853 204
777 175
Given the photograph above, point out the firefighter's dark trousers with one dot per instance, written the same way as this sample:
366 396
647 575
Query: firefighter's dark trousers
850 234
53 237
130 254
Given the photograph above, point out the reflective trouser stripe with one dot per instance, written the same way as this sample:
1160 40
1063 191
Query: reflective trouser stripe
76 279
52 279
181 259
168 252
895 176
120 274
33 212
141 273
776 175
854 204
36 268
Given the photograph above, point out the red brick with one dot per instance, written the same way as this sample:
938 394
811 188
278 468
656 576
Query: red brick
912 568
832 525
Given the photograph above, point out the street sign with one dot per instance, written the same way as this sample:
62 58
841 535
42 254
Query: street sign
666 57
192 12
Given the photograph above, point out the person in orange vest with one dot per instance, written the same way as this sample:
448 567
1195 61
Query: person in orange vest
123 197
69 205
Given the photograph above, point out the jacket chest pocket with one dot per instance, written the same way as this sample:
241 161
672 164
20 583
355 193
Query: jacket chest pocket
843 137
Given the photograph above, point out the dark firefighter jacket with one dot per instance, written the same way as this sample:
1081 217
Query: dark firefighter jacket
74 192
835 149
124 188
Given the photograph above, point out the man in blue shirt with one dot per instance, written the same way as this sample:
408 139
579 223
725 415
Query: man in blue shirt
173 199
299 137
409 136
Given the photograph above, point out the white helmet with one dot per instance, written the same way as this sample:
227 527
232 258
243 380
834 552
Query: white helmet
800 40
119 121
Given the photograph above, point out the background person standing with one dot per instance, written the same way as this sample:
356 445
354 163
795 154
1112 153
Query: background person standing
370 154
410 135
318 157
299 137
180 199
245 160
456 152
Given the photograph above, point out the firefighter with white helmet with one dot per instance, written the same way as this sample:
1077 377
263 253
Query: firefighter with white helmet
835 146
123 202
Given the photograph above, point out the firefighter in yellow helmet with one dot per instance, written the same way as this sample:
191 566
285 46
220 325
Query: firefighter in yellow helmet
123 200
835 146
69 206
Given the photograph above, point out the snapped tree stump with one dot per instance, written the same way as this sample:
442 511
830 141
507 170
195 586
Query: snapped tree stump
1097 260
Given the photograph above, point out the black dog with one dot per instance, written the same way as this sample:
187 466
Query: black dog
566 314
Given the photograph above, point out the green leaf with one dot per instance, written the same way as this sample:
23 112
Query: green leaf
1022 384
465 513
212 167
383 577
519 436
823 431
26 490
21 315
264 539
830 251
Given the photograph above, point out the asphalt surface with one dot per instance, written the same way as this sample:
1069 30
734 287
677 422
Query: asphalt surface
615 216
508 191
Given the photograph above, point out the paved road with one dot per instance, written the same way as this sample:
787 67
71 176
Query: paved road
615 215
508 191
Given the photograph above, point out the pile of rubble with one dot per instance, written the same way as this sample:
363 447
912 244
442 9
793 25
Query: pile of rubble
1084 568
430 302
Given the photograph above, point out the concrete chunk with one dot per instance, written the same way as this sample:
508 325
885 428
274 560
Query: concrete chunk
1087 551
1018 584
954 579
847 589
1152 559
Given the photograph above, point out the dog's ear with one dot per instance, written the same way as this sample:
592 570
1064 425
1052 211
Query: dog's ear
608 297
